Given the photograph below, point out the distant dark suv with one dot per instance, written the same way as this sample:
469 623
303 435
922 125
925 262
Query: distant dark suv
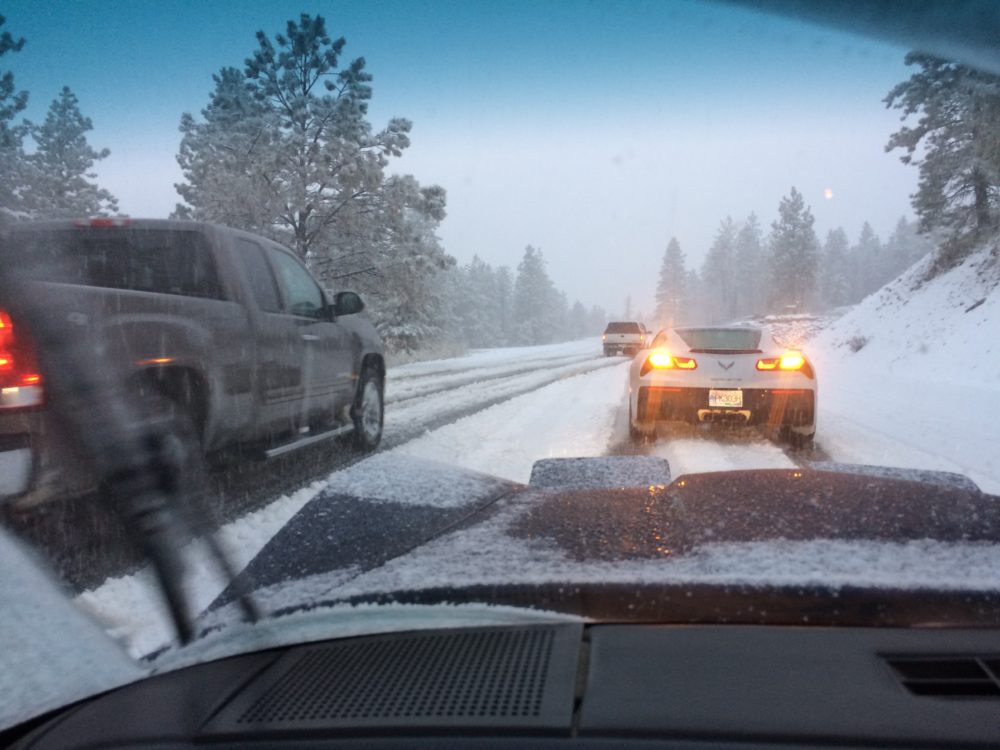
624 337
226 328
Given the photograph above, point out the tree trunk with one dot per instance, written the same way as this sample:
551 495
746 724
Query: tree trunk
984 219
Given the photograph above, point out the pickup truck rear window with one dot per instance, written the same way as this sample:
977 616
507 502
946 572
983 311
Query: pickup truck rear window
142 260
623 328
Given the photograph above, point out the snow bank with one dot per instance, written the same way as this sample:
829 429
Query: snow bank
910 377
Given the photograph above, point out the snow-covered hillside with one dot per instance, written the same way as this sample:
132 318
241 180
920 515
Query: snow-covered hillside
911 375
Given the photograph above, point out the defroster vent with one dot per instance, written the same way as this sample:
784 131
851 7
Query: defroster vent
465 678
949 676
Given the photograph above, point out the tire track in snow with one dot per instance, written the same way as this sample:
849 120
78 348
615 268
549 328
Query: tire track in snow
453 380
691 449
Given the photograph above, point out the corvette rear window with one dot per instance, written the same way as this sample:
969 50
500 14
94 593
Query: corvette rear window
721 339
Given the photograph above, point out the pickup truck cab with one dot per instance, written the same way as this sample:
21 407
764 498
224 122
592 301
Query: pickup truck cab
624 337
227 328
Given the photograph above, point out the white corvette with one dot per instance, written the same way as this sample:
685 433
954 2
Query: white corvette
735 374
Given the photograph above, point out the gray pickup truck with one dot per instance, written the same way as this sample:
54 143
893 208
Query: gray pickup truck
624 337
225 328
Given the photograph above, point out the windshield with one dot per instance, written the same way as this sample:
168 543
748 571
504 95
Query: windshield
309 309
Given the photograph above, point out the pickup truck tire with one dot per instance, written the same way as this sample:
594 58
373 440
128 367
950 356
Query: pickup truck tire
368 411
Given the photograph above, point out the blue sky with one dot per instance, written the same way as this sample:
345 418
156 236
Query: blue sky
594 130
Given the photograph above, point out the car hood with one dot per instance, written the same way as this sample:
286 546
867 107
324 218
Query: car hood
398 544
587 537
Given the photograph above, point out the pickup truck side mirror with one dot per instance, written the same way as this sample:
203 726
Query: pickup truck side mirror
347 303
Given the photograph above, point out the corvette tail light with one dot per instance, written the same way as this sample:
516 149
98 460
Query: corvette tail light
790 361
661 360
787 361
20 379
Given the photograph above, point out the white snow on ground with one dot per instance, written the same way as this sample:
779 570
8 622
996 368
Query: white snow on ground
577 416
497 357
719 451
404 415
923 388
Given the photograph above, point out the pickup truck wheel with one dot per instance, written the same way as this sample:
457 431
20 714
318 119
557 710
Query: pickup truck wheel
367 413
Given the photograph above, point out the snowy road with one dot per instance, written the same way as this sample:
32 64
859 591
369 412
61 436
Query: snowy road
494 412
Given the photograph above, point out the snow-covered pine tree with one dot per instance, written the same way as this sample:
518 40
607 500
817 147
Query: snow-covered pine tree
579 324
906 245
749 268
719 274
597 319
286 145
954 145
401 280
793 251
505 305
867 262
12 102
535 310
59 171
835 275
670 288
223 158
477 306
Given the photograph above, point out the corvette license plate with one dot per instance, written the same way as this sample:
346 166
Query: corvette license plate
732 399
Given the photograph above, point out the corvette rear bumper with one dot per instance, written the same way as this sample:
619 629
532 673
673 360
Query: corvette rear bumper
785 407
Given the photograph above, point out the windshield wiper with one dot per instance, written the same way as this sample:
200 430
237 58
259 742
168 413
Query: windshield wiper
131 457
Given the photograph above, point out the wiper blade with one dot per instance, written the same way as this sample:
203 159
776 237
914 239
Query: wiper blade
131 457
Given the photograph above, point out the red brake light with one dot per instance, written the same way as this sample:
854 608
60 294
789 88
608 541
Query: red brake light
103 222
18 366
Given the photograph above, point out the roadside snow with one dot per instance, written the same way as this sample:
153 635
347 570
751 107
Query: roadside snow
577 416
910 377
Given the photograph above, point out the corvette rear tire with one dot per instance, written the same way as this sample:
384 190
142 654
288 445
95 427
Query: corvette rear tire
638 434
797 440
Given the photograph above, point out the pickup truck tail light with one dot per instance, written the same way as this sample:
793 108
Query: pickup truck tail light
661 360
20 379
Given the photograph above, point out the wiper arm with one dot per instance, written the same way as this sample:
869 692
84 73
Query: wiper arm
130 456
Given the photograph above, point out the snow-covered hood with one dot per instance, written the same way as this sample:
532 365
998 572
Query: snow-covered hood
405 544
438 534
